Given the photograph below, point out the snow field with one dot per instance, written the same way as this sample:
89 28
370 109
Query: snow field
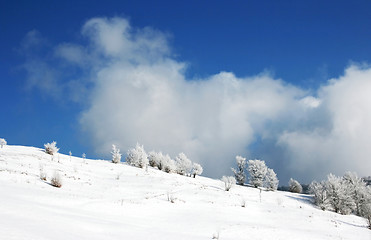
102 200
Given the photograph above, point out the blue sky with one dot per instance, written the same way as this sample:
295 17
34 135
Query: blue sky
297 45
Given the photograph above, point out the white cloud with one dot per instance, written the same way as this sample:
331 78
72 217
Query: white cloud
311 102
71 53
140 93
344 144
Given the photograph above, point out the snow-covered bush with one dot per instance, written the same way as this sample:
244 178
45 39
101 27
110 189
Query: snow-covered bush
257 172
183 164
137 157
228 182
243 202
56 180
51 148
319 191
2 142
239 173
295 186
116 155
196 169
42 173
271 180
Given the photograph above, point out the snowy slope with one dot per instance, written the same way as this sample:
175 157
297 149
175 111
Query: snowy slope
101 200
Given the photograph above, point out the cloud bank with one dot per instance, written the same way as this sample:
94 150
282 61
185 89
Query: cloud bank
135 90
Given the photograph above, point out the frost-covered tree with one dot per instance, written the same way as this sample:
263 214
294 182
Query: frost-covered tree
196 169
168 164
295 186
2 142
357 189
137 156
257 171
339 195
271 180
319 191
239 173
228 182
183 164
160 160
361 194
51 148
116 155
154 158
343 195
365 210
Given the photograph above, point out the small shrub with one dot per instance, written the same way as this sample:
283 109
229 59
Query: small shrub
243 202
51 148
42 173
170 197
116 155
295 186
118 176
228 182
56 180
2 142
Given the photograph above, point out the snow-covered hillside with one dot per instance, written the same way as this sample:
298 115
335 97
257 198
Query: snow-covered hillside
102 200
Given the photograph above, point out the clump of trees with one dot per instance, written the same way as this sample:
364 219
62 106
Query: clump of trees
137 156
295 186
182 164
344 195
262 176
2 142
51 148
259 174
